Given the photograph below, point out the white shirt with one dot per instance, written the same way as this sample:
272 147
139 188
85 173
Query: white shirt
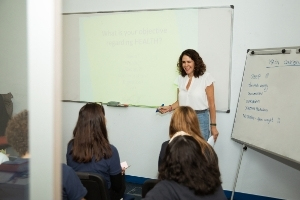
3 158
195 96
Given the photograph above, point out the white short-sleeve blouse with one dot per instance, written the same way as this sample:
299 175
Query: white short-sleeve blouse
195 96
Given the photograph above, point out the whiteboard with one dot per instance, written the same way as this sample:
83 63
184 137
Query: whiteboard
131 56
268 111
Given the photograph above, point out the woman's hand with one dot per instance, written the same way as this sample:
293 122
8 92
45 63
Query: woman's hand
123 170
214 132
164 109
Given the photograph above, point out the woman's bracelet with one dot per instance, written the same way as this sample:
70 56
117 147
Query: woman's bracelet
213 124
170 108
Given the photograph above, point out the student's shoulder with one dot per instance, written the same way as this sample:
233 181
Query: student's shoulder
165 144
70 145
166 183
67 170
65 167
162 191
68 174
113 148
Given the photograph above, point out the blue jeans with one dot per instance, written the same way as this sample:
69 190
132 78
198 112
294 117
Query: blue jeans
203 119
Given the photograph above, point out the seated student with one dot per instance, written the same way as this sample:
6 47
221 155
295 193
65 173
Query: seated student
185 119
14 175
90 150
185 173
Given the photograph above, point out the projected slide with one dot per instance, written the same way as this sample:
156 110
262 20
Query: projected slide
124 57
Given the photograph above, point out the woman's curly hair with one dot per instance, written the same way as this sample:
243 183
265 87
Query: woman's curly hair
185 164
200 66
17 132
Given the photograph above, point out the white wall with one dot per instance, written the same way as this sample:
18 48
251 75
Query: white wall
139 132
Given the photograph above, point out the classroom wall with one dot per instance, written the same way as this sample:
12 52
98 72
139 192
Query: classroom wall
139 132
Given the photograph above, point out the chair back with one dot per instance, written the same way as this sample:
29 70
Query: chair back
95 185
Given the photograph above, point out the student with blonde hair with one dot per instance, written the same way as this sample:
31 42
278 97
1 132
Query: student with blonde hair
185 121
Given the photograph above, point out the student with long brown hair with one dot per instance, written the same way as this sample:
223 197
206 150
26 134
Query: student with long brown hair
90 150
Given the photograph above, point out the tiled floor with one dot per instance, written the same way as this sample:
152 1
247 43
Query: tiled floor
134 190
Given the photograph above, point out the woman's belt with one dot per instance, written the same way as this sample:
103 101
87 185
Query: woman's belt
200 111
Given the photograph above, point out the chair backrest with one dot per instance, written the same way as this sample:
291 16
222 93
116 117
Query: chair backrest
148 185
95 185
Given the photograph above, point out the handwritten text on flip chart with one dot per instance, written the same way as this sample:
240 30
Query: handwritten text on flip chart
255 107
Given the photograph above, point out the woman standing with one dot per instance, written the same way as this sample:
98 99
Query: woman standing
196 89
90 150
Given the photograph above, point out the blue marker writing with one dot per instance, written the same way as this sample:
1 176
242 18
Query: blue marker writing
157 108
